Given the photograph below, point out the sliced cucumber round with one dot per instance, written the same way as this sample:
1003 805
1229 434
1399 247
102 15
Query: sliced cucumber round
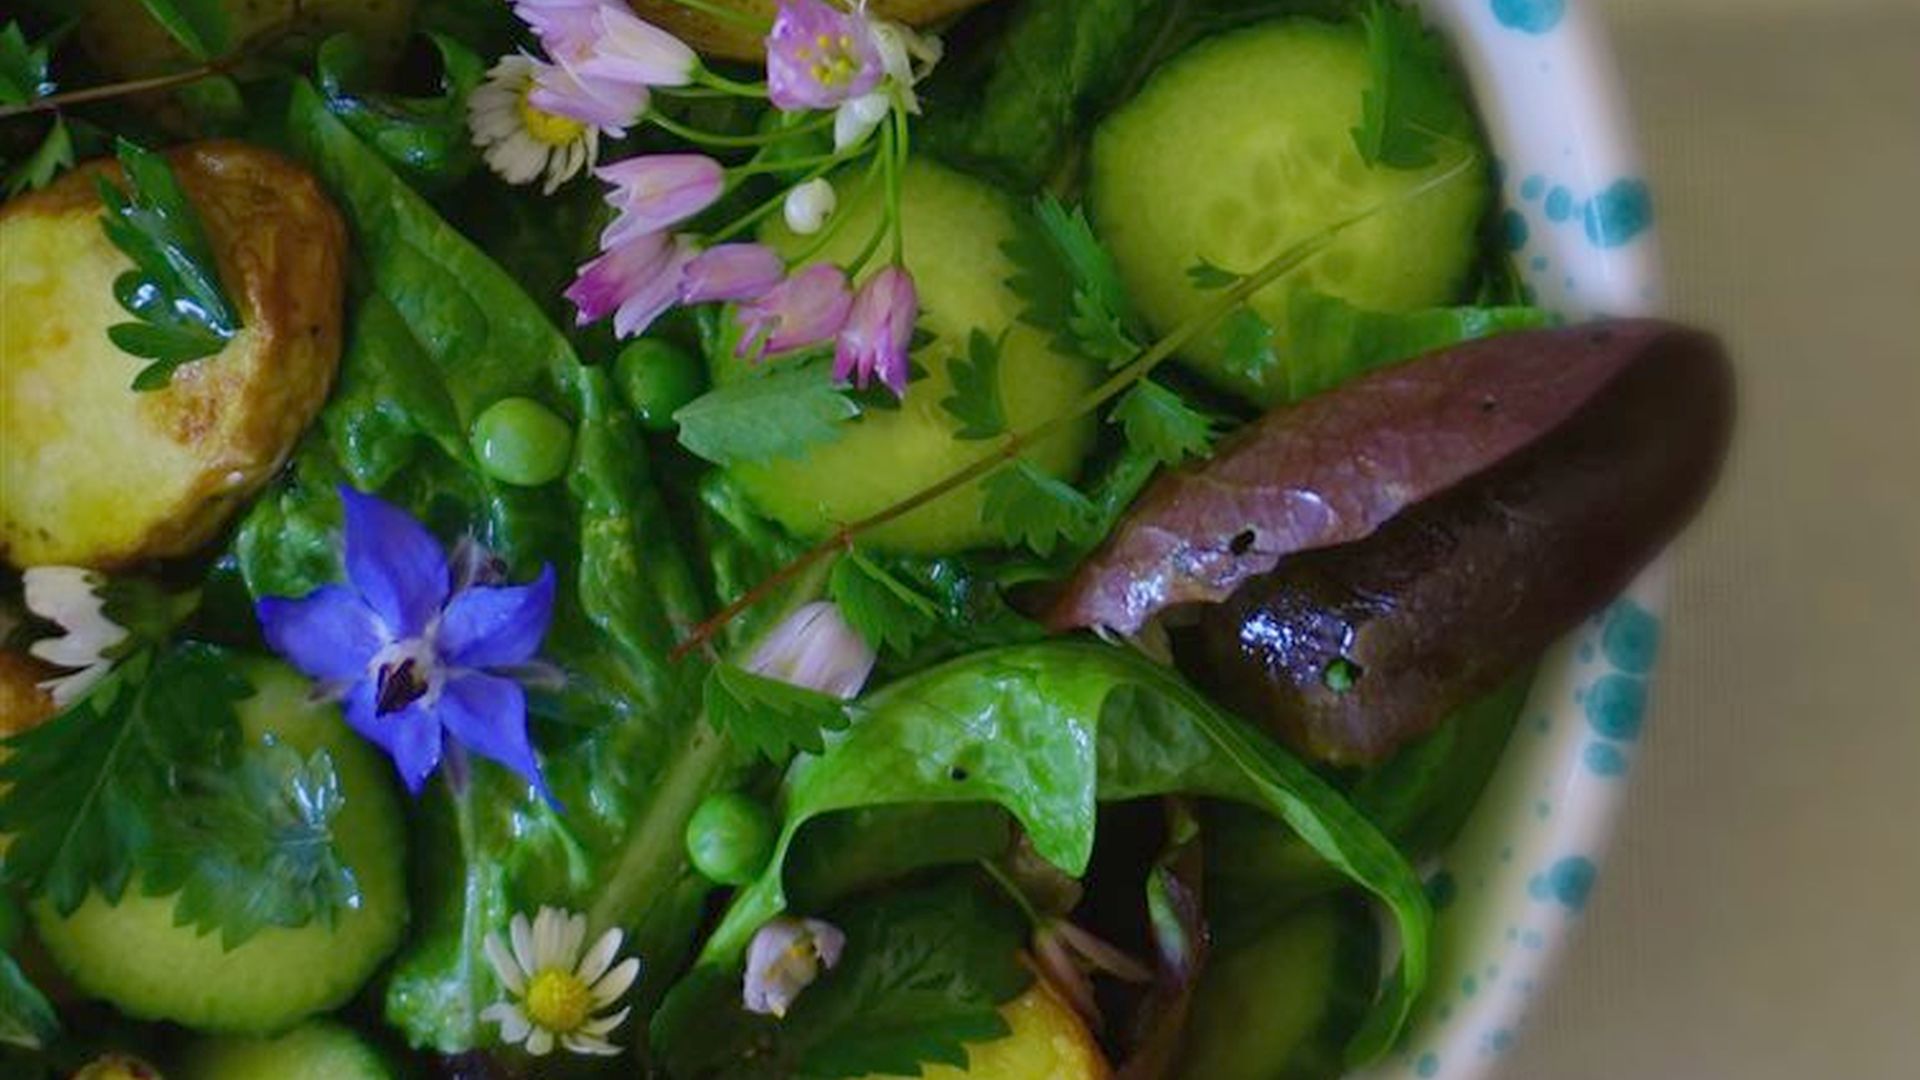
132 954
954 228
318 1050
1241 148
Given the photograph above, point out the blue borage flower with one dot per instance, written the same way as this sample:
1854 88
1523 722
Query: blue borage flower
417 656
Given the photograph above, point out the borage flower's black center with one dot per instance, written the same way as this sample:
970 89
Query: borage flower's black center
398 685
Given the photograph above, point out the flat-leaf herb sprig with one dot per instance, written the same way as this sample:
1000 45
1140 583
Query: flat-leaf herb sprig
1011 446
181 312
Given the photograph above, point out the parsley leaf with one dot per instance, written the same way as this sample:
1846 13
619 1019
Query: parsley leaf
1247 345
23 67
1162 425
976 389
765 416
881 608
1414 102
26 1018
924 973
1037 509
174 289
1205 274
1071 285
200 26
54 154
252 847
772 717
88 792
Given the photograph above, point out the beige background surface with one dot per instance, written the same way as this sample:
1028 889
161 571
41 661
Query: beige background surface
1759 918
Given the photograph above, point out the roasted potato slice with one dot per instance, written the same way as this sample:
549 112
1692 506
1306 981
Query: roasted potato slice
1048 1042
93 473
128 43
738 40
23 705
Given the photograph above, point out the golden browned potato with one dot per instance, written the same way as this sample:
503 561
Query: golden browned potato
93 473
739 41
23 705
128 43
1048 1042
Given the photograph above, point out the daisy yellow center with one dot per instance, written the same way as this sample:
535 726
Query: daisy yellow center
546 127
558 1000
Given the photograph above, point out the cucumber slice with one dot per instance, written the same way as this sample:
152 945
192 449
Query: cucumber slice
954 228
1281 1006
132 955
1242 147
318 1050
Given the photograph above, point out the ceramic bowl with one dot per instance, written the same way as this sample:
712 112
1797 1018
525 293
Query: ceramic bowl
1578 217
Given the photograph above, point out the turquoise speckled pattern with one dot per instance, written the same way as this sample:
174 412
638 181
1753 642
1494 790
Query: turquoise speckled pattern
1579 219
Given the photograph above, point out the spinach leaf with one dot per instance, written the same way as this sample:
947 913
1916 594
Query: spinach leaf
1047 731
1332 341
438 333
26 1018
425 138
200 26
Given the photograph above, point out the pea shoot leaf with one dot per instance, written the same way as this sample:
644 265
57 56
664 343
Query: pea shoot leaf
772 717
1247 345
174 288
48 160
1071 285
252 847
924 973
882 609
1414 102
766 416
424 138
1162 425
27 1020
200 26
975 401
1038 510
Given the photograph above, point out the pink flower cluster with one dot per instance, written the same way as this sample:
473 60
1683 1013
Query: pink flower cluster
605 61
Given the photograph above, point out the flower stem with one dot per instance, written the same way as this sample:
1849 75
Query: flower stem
832 228
708 77
217 66
709 138
752 217
1016 443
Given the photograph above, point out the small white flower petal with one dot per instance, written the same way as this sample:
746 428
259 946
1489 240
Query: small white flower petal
521 934
505 967
608 990
540 1042
600 957
855 120
809 205
514 1025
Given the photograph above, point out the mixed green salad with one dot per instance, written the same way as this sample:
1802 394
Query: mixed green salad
737 538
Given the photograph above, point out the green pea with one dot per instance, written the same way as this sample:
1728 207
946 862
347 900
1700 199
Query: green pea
730 838
521 442
658 377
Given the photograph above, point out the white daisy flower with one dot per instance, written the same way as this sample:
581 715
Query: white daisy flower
70 597
521 141
553 991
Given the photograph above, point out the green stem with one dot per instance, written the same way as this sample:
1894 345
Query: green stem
1016 443
834 223
708 138
752 217
655 854
706 76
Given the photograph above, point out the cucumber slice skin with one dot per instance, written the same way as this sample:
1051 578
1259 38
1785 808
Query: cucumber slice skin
954 228
317 1050
1280 1007
1241 147
131 954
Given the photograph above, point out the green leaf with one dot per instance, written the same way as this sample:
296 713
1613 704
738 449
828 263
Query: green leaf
252 847
761 417
1050 731
924 973
1036 509
424 138
26 1018
200 26
769 716
1331 341
88 793
885 611
174 288
1162 425
1247 346
1205 275
1414 103
975 401
54 154
1071 286
23 67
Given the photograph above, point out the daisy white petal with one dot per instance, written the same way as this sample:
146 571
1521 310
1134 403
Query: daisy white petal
587 1044
600 957
605 1024
540 1042
511 975
521 934
608 990
514 1025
